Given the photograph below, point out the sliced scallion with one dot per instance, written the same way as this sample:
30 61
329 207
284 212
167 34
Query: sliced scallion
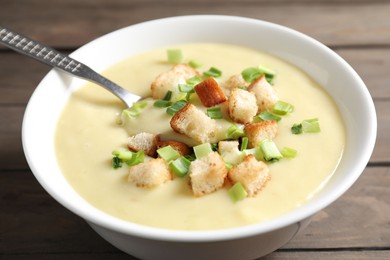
176 107
244 143
282 108
237 192
175 56
214 112
265 115
296 129
269 73
195 64
228 165
168 153
288 152
186 88
202 150
234 132
168 95
180 166
162 103
194 80
135 110
123 154
250 74
256 152
213 72
116 162
137 158
270 151
311 126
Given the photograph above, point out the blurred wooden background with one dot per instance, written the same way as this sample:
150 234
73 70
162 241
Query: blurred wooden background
34 226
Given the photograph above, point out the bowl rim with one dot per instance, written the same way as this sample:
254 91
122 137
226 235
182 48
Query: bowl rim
292 217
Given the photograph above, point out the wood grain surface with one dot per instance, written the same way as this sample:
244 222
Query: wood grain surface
35 226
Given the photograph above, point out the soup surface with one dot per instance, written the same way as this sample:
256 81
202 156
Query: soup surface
87 133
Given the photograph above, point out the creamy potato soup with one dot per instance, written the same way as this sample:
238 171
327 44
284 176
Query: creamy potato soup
88 132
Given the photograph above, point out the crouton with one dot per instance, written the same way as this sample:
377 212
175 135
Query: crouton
207 174
251 173
182 148
256 132
149 174
266 96
235 81
242 106
195 124
230 152
209 92
171 79
143 141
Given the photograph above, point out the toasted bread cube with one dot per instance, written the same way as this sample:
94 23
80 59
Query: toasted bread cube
242 106
256 132
171 79
209 92
251 173
143 141
266 96
230 152
195 124
149 174
235 81
182 148
207 174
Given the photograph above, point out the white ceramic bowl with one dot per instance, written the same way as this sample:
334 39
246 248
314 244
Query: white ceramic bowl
249 242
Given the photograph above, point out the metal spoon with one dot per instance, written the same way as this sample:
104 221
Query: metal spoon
52 57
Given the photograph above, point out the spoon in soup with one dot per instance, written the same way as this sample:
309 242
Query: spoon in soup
54 58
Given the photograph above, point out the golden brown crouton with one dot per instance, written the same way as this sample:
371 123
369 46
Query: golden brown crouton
257 132
195 124
242 106
251 173
182 148
209 92
207 174
266 96
149 174
143 141
230 152
235 81
171 79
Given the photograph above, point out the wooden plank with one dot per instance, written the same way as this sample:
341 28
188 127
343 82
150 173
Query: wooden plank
20 75
73 23
359 220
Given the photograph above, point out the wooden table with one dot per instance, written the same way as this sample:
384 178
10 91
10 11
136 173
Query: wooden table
34 226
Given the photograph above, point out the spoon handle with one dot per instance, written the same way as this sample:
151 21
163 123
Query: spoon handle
54 58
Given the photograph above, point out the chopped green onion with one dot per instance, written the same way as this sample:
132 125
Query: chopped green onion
228 165
202 150
265 115
311 126
176 107
213 72
256 152
194 80
116 162
270 151
296 129
214 112
162 103
195 64
168 95
168 153
282 108
123 154
175 56
180 166
186 88
244 143
214 147
190 157
288 152
234 132
237 192
269 73
135 110
250 74
137 158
